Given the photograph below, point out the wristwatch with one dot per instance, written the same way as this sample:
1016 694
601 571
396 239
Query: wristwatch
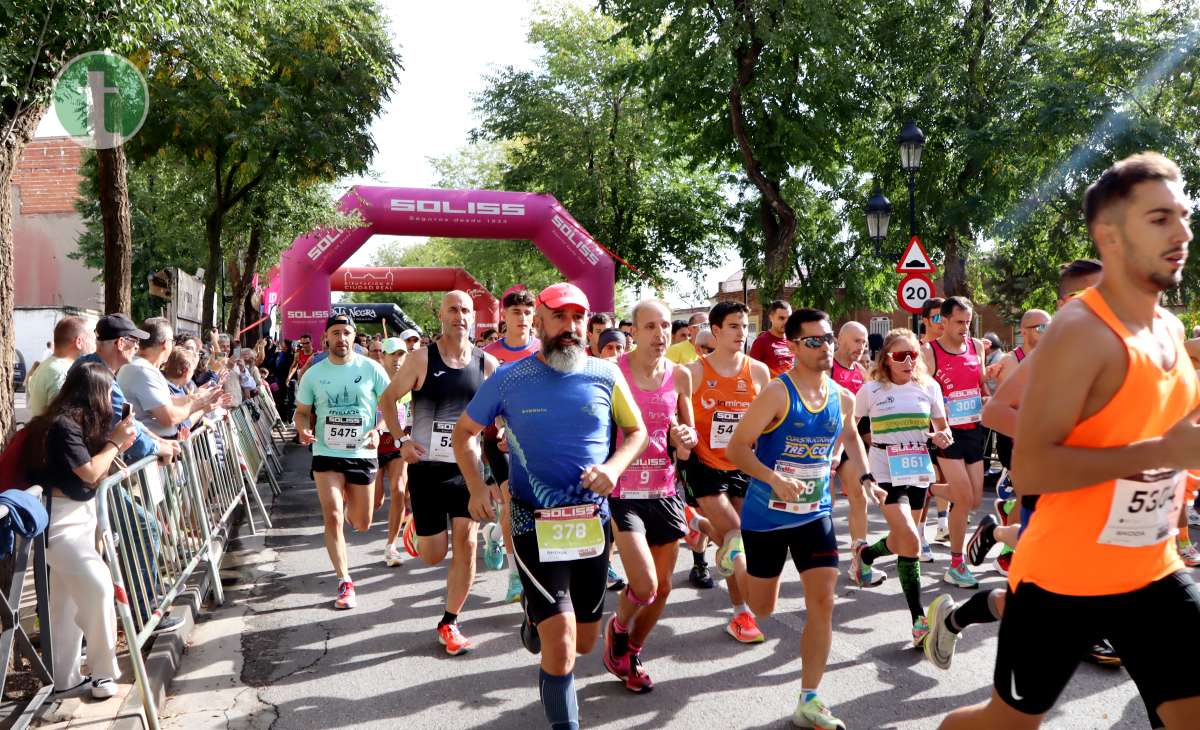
863 479
403 440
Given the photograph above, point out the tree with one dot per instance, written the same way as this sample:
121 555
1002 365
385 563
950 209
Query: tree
581 127
35 44
324 70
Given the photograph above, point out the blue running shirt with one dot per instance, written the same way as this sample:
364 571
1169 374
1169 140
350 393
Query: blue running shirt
558 425
799 445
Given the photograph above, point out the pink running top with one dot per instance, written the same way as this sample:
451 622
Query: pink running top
651 475
850 378
961 378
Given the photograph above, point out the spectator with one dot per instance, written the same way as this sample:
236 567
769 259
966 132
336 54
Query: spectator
248 374
232 381
488 337
116 345
147 389
282 368
178 370
188 342
71 447
412 339
375 351
71 340
203 374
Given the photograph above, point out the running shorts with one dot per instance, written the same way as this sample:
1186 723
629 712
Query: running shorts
705 481
660 520
1044 635
813 545
1004 449
968 445
356 471
912 494
496 459
576 586
439 493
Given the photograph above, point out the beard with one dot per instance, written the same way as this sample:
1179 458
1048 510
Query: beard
564 353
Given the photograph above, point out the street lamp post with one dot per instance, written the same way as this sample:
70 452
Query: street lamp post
912 144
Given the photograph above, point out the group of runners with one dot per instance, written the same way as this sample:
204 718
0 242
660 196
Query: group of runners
564 443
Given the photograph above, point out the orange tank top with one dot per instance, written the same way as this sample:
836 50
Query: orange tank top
1114 537
719 404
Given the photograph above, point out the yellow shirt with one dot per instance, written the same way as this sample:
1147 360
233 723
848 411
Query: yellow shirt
682 353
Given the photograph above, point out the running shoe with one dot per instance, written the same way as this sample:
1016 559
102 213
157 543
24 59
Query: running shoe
743 628
982 541
638 680
1102 653
728 552
493 546
103 688
700 578
696 540
939 644
530 639
450 637
409 531
1002 510
345 598
1004 488
815 714
961 577
1193 517
942 534
1190 555
863 575
615 581
515 591
392 556
926 555
919 631
1001 563
618 666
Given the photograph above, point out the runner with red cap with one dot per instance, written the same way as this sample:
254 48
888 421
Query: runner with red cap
558 486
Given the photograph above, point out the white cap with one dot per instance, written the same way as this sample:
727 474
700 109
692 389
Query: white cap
410 334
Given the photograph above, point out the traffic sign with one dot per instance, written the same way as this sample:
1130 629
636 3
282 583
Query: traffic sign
914 260
914 289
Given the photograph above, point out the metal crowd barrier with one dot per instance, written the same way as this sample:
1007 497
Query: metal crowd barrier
158 523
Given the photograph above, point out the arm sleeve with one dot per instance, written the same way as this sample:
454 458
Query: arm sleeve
624 409
486 405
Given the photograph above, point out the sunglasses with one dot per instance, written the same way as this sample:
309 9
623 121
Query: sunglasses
817 341
1040 328
935 318
900 356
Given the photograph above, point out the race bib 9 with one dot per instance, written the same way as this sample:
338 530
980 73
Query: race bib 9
641 481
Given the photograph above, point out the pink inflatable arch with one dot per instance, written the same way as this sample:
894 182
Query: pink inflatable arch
312 258
413 278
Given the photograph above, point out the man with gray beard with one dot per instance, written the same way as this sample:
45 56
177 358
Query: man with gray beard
559 409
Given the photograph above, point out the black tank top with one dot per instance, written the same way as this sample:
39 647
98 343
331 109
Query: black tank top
442 398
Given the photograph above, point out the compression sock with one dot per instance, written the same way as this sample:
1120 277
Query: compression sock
910 582
978 609
448 618
620 638
559 701
878 550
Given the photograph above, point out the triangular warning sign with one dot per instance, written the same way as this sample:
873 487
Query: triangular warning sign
914 260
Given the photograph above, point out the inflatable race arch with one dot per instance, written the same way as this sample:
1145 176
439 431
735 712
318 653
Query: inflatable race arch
419 278
306 267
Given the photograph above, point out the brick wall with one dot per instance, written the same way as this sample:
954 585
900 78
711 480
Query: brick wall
48 176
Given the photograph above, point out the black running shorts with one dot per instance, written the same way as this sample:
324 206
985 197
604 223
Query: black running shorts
496 459
356 471
1044 635
913 495
704 481
660 520
576 586
968 445
439 493
813 545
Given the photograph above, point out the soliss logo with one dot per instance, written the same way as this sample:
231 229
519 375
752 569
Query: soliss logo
323 245
445 206
576 238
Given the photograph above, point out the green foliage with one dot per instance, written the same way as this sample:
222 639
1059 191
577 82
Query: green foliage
581 127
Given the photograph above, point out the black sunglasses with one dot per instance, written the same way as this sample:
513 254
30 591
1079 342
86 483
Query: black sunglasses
816 341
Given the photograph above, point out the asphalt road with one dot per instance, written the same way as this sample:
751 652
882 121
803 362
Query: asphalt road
307 666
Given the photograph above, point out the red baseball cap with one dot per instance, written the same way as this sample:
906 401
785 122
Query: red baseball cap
562 295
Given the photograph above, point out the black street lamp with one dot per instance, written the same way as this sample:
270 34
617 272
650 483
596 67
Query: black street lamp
912 143
879 214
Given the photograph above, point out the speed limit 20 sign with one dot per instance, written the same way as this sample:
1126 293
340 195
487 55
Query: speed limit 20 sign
914 289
